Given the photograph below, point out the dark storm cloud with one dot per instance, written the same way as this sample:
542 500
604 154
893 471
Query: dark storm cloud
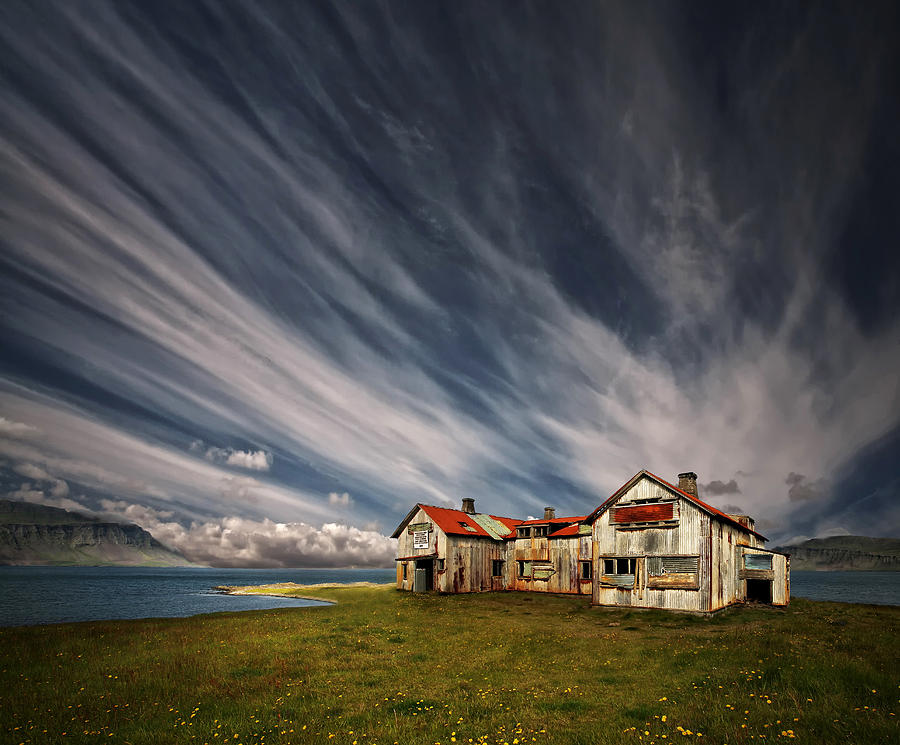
803 489
409 252
717 488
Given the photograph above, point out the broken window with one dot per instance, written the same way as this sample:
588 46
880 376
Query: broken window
619 571
525 569
497 568
524 532
619 566
587 571
540 531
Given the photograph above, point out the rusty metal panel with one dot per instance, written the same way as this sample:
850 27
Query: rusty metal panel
643 513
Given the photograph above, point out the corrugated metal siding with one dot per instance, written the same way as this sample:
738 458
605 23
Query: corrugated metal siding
684 538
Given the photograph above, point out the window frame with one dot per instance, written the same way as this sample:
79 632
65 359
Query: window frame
495 563
617 578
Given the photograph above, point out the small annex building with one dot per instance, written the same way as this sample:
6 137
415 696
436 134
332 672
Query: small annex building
650 545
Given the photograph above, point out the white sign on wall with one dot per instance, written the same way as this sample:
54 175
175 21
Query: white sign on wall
420 539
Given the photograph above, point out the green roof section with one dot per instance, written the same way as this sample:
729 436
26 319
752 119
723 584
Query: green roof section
494 528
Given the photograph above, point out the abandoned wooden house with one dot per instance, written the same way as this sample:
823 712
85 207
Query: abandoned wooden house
651 545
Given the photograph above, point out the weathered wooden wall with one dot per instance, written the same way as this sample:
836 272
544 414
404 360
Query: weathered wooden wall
405 548
469 563
692 533
562 555
467 560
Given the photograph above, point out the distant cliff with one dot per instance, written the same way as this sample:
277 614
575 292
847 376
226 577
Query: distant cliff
847 552
35 534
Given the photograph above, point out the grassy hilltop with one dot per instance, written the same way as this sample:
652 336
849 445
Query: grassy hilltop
384 667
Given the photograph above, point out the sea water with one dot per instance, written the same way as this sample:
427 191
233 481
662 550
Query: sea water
39 595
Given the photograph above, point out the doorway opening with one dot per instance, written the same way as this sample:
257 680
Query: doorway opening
424 576
759 590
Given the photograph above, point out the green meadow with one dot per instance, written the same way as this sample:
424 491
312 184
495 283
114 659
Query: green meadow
382 666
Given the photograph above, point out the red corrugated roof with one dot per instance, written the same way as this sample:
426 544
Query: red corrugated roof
452 521
569 530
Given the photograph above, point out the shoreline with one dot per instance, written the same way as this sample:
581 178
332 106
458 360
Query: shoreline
271 590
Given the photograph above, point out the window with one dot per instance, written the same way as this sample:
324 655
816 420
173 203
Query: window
619 566
524 532
404 571
757 561
497 568
587 571
439 563
619 572
540 531
525 569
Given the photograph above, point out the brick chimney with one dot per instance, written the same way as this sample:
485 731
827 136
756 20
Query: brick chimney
549 513
468 505
688 482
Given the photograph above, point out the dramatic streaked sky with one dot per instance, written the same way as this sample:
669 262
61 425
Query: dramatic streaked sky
273 272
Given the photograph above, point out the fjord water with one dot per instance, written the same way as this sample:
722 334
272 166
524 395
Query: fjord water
39 595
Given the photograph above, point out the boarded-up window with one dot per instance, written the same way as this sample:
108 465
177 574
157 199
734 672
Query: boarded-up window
673 572
643 513
657 566
525 569
757 561
542 571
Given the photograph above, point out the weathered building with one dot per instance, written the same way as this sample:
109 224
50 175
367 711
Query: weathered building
651 545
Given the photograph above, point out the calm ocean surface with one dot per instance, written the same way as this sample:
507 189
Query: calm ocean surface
37 595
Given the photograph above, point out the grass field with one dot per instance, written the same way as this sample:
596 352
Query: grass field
387 667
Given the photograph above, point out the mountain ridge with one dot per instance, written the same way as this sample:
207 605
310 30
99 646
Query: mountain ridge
32 534
845 552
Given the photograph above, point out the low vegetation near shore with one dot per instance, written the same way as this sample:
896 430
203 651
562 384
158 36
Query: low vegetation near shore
382 666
